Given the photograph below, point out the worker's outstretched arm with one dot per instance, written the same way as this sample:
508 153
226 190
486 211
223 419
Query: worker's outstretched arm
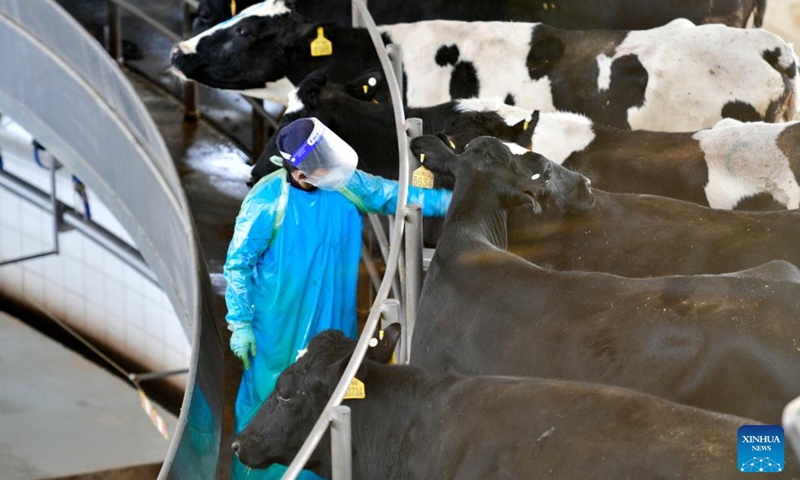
376 194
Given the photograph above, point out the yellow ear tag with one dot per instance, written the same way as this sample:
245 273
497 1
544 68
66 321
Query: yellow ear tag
233 8
422 177
321 46
365 88
356 390
525 126
452 145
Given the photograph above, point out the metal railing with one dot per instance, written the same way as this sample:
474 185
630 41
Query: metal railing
93 111
334 413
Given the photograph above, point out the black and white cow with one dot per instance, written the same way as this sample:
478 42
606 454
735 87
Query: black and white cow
734 165
689 339
369 127
571 14
679 77
415 425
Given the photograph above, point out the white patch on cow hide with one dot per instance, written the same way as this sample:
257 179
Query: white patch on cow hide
498 50
693 73
516 149
744 160
263 9
604 69
510 114
276 92
294 104
727 122
559 134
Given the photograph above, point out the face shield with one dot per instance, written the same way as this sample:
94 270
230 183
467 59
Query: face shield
326 160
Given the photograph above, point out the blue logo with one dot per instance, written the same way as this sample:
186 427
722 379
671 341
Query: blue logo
760 448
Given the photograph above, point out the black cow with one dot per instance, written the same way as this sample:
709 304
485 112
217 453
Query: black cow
573 14
726 343
416 425
647 235
370 128
679 77
742 166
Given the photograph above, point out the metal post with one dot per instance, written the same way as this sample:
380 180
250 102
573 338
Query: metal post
191 111
390 313
414 129
395 52
114 31
341 446
413 234
413 248
54 208
358 22
54 203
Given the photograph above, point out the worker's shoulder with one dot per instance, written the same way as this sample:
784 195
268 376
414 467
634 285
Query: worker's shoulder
268 188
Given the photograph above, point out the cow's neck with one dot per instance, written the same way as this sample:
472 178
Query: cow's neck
390 428
352 54
476 218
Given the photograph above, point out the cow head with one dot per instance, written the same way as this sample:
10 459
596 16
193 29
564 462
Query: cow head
567 192
520 173
287 416
490 117
315 96
515 180
246 51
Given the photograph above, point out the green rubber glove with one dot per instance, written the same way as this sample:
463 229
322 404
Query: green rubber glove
243 341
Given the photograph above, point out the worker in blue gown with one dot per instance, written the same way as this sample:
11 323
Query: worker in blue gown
292 264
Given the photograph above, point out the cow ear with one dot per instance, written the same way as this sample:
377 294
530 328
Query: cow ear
438 157
365 87
382 346
524 130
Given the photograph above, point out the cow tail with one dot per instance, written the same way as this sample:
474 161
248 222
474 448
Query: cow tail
758 14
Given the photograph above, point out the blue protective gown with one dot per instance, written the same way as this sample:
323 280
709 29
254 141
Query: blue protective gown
292 269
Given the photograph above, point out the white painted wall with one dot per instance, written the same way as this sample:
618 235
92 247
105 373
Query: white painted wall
89 288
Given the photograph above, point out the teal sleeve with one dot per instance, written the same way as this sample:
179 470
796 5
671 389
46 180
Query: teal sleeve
375 194
251 237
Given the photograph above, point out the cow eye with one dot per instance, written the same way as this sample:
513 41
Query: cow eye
243 31
283 399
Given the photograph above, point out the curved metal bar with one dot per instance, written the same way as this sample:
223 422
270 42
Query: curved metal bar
318 431
74 99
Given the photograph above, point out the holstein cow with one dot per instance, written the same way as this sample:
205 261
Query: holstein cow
742 166
369 127
725 343
571 14
415 425
679 77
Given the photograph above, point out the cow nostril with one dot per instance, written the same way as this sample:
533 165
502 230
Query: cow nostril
235 448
